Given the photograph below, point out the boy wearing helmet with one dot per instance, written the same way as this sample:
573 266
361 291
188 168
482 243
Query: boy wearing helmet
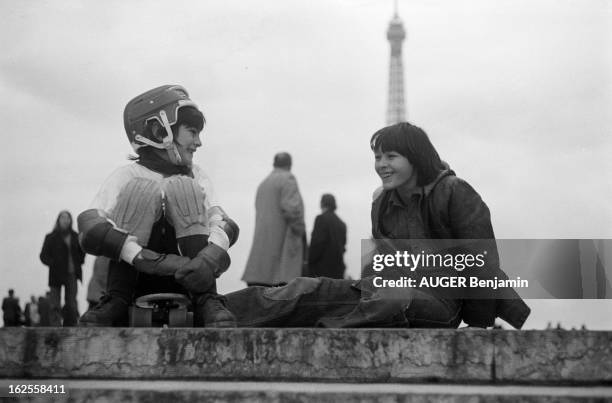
157 219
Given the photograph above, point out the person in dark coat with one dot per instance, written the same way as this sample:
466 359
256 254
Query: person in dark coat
328 242
11 310
44 309
62 253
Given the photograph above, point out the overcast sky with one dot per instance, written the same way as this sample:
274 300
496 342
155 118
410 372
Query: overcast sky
515 95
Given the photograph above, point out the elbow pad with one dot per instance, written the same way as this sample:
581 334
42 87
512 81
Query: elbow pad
98 236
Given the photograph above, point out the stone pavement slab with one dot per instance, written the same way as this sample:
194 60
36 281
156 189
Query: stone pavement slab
188 391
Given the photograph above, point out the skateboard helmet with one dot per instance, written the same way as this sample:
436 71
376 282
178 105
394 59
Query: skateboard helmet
158 106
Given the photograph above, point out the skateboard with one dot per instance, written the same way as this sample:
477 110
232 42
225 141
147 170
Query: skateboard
159 310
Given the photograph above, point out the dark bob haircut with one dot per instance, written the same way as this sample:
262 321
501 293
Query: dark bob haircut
411 142
190 117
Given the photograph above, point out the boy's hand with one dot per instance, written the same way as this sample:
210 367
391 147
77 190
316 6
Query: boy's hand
155 263
199 274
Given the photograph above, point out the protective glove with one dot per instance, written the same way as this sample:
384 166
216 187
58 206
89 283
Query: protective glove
199 274
150 262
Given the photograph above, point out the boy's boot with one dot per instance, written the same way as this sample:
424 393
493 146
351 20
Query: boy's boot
112 309
210 310
209 307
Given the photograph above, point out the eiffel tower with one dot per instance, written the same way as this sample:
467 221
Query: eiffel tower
395 101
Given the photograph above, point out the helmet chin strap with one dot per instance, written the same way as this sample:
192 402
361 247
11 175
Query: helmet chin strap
168 142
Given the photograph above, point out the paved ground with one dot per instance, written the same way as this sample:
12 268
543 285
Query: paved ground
73 385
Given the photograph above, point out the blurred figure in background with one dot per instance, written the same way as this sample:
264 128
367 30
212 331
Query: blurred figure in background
278 249
97 283
32 317
11 310
327 243
62 253
44 310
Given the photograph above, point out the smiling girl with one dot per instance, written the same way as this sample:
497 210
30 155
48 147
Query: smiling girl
422 198
416 182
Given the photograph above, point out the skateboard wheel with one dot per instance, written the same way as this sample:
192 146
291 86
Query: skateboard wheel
190 319
140 317
177 317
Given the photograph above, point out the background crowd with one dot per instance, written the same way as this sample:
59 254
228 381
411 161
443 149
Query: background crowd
36 312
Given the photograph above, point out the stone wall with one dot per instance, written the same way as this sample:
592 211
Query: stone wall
309 355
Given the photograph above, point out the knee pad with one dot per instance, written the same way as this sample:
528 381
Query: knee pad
185 208
138 207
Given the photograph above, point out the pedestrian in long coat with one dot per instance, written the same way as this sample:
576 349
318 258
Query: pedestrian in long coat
63 254
278 249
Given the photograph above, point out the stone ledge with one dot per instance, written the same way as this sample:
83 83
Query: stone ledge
328 355
549 356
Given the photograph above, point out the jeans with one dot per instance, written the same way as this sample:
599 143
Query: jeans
70 312
326 302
